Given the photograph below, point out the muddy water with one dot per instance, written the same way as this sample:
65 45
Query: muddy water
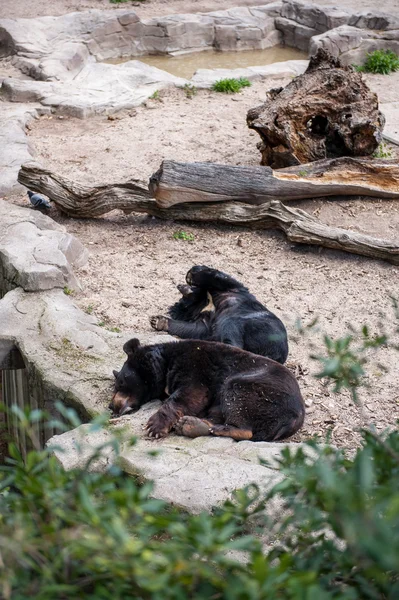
185 65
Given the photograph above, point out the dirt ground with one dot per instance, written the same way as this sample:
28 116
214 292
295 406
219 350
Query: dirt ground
135 263
153 8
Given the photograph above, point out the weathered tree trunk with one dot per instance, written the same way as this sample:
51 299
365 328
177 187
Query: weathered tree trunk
175 183
326 112
82 201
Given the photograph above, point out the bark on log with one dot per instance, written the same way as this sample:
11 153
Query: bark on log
326 112
175 183
77 201
81 201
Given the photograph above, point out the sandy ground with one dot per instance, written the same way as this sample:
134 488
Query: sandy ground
153 8
135 263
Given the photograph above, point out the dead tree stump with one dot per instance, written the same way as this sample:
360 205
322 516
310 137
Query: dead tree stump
327 112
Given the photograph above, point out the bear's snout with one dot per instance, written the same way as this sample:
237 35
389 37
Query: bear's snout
121 404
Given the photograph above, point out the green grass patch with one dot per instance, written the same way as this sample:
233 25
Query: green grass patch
230 86
383 151
380 61
183 235
190 90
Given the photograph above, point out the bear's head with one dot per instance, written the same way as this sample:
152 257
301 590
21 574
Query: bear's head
130 390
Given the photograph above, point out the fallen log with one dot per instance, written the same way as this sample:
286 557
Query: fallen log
83 201
176 183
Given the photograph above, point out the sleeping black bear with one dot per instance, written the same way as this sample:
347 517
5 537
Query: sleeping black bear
236 318
209 388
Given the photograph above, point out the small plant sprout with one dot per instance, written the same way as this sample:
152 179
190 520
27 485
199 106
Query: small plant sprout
68 291
155 95
230 86
89 309
190 90
302 173
383 151
380 61
183 235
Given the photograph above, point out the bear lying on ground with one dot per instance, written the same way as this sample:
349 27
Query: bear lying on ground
209 388
238 319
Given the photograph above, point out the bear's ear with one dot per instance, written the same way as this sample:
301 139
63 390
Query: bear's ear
131 346
116 374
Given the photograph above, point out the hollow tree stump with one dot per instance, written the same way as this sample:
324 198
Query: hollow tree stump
326 112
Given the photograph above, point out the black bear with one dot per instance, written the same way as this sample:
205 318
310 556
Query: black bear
209 388
236 318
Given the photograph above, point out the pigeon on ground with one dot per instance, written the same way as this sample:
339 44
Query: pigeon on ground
38 201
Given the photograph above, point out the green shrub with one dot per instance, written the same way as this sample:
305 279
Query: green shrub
380 61
230 86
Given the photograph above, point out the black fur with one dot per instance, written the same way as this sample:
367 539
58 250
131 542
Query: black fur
243 395
238 319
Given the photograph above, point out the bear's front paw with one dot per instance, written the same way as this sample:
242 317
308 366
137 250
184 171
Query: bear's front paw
156 427
185 290
159 323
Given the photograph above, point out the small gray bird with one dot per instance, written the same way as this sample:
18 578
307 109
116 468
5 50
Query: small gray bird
38 201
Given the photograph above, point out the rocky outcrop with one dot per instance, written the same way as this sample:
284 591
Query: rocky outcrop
195 475
15 148
58 48
36 253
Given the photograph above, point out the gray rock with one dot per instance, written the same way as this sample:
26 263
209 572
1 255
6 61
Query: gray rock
14 144
390 111
35 252
205 78
67 356
99 88
194 474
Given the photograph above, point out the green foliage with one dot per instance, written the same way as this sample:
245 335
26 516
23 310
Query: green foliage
190 90
68 292
383 151
155 95
302 173
230 86
183 235
81 534
89 309
346 358
380 61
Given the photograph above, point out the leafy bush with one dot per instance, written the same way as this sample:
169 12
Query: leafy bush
380 61
81 534
230 86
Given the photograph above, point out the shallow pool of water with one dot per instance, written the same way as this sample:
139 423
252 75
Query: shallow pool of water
185 65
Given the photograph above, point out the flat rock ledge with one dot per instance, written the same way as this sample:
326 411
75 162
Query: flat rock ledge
195 475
